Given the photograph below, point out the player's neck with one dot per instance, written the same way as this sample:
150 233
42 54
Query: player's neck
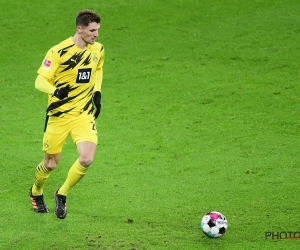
79 42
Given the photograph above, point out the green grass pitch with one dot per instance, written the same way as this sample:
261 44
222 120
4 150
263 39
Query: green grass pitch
200 113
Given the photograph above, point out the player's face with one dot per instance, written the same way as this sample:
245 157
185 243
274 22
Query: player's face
89 33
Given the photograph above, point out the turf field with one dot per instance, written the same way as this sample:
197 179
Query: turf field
200 112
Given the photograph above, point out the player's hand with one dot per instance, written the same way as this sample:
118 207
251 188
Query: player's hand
97 103
62 93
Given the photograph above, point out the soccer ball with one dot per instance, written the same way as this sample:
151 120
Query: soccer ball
214 224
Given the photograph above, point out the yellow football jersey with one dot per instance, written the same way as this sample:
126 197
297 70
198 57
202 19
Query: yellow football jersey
67 65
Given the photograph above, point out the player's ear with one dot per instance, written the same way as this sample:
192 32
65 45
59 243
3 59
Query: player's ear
79 29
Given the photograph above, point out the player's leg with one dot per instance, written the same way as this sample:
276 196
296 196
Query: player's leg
54 138
86 151
84 134
41 175
43 171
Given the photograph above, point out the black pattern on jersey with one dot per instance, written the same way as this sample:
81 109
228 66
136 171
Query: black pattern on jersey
89 104
87 61
73 61
59 103
62 84
64 50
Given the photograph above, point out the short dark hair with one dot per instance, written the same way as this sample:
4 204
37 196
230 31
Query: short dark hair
84 17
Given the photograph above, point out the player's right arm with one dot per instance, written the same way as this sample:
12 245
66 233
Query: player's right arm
46 72
42 84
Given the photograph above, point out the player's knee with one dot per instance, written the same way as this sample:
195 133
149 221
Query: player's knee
86 161
51 161
50 165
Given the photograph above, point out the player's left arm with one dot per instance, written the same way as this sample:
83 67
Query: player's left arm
97 92
98 80
98 85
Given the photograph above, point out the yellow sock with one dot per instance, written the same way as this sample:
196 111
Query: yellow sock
41 175
76 172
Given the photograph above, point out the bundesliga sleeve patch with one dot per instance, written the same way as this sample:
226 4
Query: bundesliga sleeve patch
47 63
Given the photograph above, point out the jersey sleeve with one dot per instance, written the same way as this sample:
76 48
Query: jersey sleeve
42 84
49 65
98 80
99 72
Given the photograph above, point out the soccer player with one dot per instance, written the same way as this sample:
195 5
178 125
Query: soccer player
71 75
